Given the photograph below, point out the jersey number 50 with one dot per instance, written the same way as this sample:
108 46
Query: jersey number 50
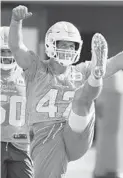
16 110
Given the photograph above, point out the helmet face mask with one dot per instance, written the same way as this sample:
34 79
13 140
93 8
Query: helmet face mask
6 57
63 32
66 52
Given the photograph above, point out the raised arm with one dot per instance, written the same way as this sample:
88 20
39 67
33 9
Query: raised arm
114 64
19 50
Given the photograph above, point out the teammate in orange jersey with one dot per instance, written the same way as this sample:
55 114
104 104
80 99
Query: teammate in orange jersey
60 97
15 159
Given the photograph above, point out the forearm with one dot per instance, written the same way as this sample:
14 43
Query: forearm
20 52
15 36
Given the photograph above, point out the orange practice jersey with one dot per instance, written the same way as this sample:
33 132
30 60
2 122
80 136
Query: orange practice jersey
48 96
13 102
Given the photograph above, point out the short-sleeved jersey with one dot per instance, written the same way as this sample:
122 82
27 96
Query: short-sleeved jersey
49 96
13 101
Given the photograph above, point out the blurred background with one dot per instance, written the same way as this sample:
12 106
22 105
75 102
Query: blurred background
89 17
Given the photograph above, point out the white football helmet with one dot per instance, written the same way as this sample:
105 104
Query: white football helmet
63 31
7 59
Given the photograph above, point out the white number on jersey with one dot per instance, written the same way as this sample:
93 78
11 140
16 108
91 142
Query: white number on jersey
66 97
51 98
16 110
52 108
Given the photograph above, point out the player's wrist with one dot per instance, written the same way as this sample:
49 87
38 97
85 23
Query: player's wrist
15 21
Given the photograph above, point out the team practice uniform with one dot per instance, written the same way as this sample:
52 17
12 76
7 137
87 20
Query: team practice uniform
52 97
15 159
49 101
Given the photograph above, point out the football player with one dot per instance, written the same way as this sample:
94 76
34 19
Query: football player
15 159
54 86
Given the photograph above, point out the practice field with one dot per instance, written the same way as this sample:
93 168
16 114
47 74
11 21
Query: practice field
82 168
